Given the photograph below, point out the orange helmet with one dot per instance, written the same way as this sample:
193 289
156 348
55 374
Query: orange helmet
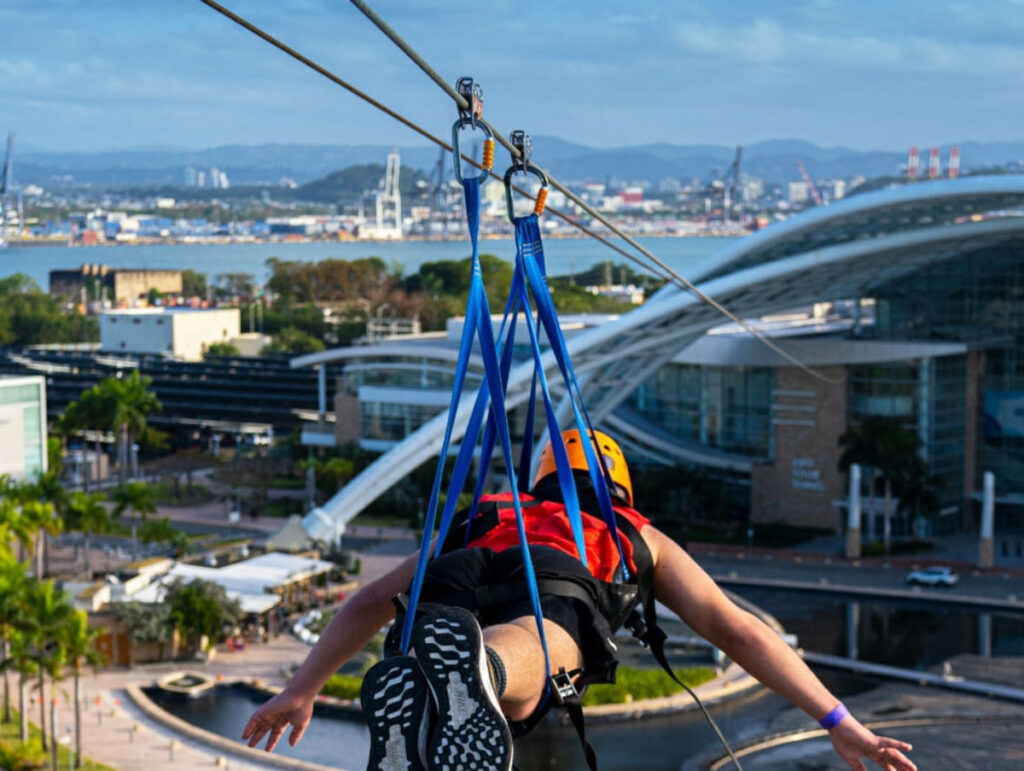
614 460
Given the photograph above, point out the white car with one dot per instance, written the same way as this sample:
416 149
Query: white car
933 576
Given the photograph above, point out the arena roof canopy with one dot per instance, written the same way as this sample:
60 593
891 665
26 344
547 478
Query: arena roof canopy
827 253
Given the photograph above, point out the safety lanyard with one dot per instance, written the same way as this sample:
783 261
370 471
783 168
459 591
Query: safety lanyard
530 260
477 325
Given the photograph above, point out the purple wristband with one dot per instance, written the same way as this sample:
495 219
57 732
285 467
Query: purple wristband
835 717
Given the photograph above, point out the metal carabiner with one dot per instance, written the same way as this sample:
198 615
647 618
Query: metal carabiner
520 140
469 116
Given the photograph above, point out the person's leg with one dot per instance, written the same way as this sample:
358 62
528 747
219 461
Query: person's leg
517 644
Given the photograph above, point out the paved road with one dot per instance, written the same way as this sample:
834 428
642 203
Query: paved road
810 568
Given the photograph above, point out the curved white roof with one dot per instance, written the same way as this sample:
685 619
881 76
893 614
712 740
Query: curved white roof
786 266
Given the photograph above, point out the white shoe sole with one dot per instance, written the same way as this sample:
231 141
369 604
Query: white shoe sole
471 733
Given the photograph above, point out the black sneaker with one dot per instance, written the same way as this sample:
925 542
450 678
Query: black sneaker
395 702
471 733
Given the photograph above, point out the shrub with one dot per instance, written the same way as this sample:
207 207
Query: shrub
636 684
343 686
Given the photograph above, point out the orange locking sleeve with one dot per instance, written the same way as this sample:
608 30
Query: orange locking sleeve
488 159
542 197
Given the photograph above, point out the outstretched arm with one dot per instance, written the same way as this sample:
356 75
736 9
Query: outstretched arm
691 594
352 627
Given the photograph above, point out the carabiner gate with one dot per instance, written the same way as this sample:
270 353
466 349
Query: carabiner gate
520 140
470 116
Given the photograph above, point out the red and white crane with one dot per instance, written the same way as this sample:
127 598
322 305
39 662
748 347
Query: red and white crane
811 187
913 160
953 169
933 163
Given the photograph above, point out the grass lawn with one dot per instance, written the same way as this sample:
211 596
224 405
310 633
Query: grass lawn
635 684
631 685
10 732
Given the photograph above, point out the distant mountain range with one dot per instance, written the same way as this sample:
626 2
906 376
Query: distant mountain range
773 161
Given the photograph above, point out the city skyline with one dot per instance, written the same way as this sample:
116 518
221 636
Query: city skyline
870 76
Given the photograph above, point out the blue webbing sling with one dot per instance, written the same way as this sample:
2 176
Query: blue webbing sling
528 278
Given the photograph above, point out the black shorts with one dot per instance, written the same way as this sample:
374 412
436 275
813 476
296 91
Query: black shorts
454 578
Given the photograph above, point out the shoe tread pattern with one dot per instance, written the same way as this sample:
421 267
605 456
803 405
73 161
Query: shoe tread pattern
394 699
471 733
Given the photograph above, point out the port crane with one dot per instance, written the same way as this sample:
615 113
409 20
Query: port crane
811 187
723 193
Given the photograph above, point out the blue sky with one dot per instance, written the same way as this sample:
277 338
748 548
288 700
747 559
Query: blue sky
77 75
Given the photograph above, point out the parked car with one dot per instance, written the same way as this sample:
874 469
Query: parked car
933 576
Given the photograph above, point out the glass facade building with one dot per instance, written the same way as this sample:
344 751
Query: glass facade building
22 427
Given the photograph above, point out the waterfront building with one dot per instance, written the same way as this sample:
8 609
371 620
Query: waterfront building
907 302
181 333
22 426
125 286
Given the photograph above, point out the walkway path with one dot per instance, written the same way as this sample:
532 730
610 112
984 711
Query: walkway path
109 734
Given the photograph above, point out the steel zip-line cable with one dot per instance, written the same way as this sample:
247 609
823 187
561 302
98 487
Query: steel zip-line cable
659 268
461 102
415 127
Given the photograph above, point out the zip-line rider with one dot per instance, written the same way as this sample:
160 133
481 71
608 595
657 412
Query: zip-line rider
485 666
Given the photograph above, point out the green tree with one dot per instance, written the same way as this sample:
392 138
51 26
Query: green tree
162 531
201 608
47 612
221 348
193 283
886 449
20 756
139 498
144 623
130 402
88 514
13 526
293 340
29 316
13 584
79 643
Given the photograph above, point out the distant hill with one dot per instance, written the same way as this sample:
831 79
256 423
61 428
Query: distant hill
350 183
772 160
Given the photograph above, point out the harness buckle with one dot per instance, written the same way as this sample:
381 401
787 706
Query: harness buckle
637 625
563 688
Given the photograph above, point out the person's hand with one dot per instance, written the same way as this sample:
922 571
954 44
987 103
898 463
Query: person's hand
852 741
285 709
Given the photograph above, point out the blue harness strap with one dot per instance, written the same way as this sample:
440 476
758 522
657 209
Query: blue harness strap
478 321
530 258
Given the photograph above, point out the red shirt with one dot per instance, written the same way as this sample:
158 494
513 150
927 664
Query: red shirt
547 524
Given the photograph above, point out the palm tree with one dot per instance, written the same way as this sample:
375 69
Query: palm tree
139 497
47 613
13 525
49 489
40 517
130 402
88 513
79 648
886 449
93 410
12 585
